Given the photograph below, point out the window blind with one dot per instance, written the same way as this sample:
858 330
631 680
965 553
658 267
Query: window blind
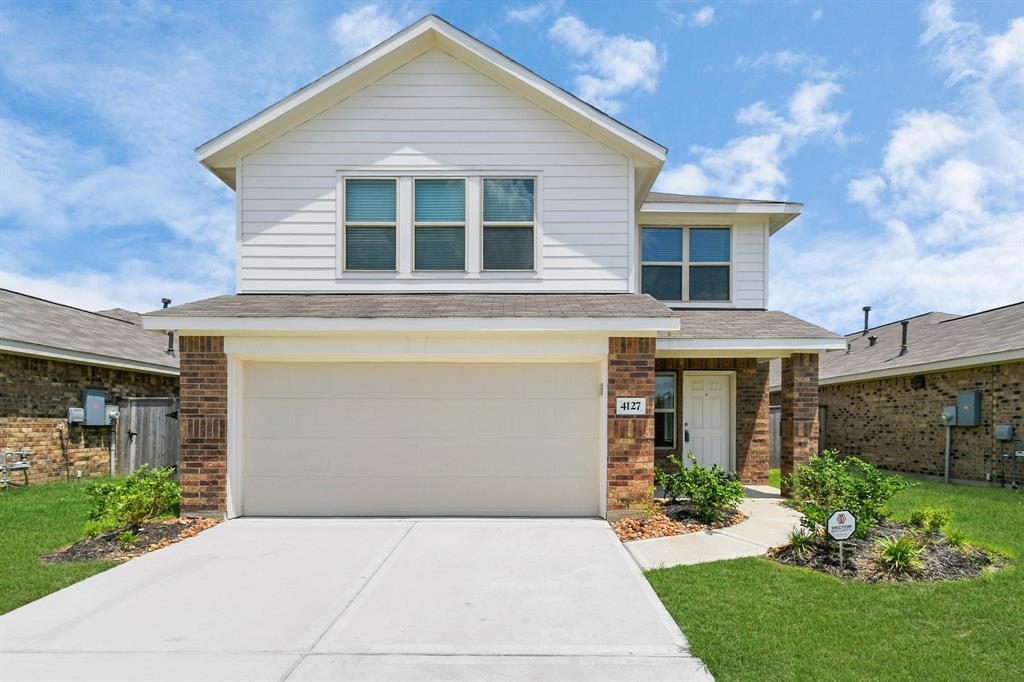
709 245
664 282
440 201
709 283
508 248
370 201
440 248
369 248
662 245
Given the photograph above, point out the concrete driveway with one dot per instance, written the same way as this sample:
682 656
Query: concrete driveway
339 599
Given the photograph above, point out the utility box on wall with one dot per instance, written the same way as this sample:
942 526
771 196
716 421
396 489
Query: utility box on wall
95 404
968 408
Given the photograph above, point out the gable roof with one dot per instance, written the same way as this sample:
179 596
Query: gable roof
430 32
935 341
779 213
34 326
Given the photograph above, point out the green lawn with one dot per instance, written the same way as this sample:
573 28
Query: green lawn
33 521
774 478
751 619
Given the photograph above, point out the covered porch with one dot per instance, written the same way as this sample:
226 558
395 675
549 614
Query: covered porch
712 389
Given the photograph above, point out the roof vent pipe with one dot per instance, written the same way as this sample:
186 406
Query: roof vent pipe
867 309
872 340
170 343
165 301
903 343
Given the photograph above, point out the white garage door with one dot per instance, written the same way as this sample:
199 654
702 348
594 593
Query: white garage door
398 439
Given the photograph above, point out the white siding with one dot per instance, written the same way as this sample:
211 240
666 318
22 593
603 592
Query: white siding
749 265
434 112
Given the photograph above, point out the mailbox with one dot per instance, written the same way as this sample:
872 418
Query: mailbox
968 408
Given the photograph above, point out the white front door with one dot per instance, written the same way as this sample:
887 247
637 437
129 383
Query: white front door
707 417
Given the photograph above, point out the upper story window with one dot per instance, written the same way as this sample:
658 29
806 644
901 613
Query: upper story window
686 263
371 221
509 218
440 224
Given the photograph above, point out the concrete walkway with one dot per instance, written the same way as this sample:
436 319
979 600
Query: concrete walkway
769 525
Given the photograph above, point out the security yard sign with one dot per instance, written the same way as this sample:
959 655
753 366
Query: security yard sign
841 525
631 406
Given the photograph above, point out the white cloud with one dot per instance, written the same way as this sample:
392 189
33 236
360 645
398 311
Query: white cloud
531 14
752 166
945 200
816 15
1007 50
809 65
703 17
362 27
611 67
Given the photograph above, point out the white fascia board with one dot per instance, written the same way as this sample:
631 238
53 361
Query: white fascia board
778 214
770 345
927 367
78 357
221 325
427 33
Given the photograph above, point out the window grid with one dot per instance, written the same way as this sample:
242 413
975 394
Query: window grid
668 410
430 223
484 224
684 263
346 223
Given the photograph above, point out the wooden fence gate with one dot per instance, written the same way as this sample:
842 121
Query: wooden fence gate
147 433
775 432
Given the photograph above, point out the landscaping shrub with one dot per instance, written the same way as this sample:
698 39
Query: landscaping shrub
803 542
127 538
711 491
930 519
900 554
826 484
956 539
131 501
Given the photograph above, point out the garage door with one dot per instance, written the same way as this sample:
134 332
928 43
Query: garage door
400 439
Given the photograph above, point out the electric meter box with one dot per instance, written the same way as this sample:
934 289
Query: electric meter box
76 415
95 404
949 415
968 408
1004 432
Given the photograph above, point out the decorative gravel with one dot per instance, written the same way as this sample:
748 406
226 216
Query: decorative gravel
674 519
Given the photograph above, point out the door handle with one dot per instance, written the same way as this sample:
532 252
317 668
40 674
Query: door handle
686 436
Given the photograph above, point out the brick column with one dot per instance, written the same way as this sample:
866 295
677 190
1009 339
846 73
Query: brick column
202 458
630 438
799 406
752 426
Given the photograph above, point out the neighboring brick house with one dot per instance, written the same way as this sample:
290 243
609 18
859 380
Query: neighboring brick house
884 404
457 295
49 353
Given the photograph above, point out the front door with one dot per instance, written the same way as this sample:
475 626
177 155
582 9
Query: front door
707 417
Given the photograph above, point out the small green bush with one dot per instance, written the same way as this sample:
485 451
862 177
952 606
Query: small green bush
131 501
100 526
712 491
803 542
930 519
826 484
900 554
127 538
956 539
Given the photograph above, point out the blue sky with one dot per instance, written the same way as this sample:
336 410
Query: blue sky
899 125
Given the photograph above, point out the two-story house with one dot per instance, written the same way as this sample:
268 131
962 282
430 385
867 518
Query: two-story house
458 296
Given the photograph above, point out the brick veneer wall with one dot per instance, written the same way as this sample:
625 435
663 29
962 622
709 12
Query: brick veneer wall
202 459
751 411
891 424
35 394
799 403
630 438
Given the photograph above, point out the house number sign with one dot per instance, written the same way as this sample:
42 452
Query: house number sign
631 406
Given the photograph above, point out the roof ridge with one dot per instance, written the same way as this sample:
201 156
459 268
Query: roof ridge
981 312
860 332
65 305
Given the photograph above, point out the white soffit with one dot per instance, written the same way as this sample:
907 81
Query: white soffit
220 153
778 214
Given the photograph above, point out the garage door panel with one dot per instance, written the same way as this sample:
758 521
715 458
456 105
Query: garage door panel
421 439
419 496
372 457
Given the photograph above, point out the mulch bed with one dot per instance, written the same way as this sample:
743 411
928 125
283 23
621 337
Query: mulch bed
939 561
152 536
674 519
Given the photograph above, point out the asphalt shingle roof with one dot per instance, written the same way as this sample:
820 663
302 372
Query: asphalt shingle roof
932 337
27 319
422 306
744 324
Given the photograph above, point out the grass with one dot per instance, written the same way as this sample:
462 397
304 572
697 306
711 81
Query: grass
752 619
774 478
34 521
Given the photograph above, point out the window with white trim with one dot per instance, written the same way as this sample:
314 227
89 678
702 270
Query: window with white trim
439 224
686 263
509 219
665 410
371 224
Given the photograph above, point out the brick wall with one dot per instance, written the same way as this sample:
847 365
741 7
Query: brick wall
751 411
630 438
35 394
799 403
891 424
202 459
